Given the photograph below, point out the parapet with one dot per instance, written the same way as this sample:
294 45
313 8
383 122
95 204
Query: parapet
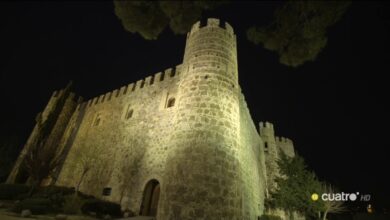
283 140
285 145
266 125
137 86
212 22
73 96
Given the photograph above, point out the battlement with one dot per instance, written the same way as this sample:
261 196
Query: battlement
266 125
283 140
72 95
212 23
137 86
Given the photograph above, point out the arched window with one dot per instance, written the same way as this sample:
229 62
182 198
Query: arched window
171 102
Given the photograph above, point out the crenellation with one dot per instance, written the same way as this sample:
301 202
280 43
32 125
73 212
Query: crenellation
101 98
131 87
148 80
95 100
116 93
122 90
229 29
195 27
139 84
108 95
158 77
151 79
213 22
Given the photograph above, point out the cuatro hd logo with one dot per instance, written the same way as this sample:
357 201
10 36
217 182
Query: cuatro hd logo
341 197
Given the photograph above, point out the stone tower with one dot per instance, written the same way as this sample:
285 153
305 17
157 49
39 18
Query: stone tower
206 160
274 146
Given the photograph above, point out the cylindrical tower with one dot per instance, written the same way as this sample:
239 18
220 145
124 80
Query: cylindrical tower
202 179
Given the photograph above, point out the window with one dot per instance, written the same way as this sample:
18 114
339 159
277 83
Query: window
171 102
106 191
97 120
129 113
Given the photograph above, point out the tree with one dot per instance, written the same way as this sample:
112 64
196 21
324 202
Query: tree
295 186
298 33
150 18
331 206
42 159
87 158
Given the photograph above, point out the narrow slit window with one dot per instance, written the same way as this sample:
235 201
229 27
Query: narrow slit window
97 120
129 113
171 102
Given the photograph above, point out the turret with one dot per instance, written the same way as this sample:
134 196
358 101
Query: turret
204 152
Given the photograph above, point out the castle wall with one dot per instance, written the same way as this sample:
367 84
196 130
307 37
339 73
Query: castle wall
285 145
112 145
252 165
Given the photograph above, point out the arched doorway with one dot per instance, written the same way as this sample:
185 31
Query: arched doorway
150 198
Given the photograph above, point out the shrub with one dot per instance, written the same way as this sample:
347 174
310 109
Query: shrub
12 191
48 191
73 204
56 194
35 205
270 217
101 208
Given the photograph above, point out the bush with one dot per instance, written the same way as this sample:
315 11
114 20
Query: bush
101 208
48 191
35 205
56 195
270 217
12 191
73 204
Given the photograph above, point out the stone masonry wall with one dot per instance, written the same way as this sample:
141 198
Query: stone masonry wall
112 142
252 165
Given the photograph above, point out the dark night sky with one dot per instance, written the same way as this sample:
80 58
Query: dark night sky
333 108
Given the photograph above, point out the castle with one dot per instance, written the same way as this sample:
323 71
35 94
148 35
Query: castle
179 144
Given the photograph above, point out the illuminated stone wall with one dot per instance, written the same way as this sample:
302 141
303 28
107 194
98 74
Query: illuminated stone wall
118 135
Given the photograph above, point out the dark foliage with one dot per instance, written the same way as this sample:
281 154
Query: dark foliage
35 205
12 191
